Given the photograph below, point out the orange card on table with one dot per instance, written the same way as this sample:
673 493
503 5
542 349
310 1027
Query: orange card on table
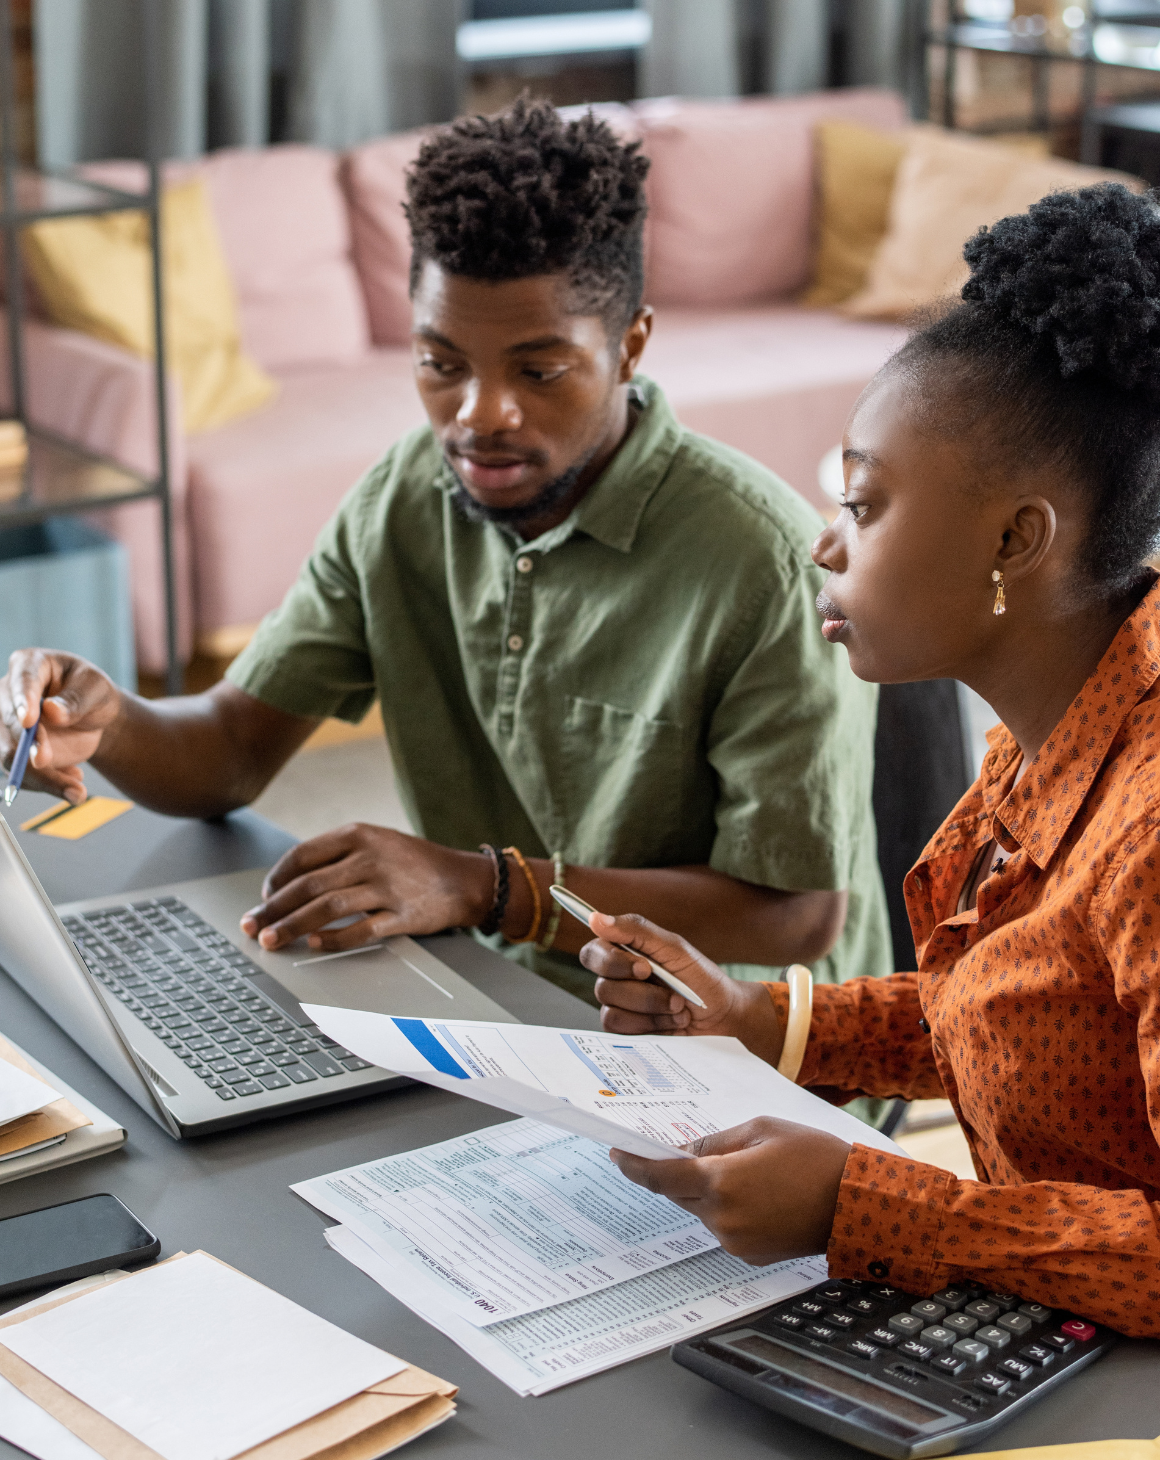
96 812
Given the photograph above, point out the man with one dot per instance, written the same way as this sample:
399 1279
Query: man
591 632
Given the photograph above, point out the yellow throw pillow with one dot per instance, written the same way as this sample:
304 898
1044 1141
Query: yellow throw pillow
95 275
855 178
947 187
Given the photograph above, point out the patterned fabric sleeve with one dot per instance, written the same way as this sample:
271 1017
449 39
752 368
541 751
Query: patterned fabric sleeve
865 1039
1066 1244
1073 1247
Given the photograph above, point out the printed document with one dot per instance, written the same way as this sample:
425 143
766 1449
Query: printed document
196 1360
509 1220
22 1093
644 1095
543 1351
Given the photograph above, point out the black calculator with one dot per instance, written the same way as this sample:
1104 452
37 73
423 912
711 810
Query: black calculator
896 1373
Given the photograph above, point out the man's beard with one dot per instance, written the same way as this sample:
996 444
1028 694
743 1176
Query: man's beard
550 495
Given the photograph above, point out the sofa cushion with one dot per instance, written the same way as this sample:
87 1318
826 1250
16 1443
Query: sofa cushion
260 489
731 191
947 187
284 227
282 218
776 382
374 178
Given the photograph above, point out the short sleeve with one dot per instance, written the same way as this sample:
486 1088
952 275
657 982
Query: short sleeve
311 655
792 743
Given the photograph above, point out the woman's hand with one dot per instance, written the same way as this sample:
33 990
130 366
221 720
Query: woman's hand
767 1190
632 1005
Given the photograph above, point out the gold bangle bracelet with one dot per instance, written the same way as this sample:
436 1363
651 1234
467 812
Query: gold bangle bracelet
537 903
797 1029
559 871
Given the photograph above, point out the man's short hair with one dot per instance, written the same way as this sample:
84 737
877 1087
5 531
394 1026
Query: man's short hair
525 193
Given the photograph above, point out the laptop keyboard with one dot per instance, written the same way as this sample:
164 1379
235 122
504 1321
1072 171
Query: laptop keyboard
203 998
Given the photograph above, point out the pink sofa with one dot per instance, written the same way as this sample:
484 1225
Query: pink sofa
317 246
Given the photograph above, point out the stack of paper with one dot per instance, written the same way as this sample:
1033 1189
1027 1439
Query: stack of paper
42 1122
529 1249
523 1242
190 1360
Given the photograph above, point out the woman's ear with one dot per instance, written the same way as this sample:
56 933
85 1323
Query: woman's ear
1027 538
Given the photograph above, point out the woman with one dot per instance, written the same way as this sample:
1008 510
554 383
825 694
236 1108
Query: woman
1002 494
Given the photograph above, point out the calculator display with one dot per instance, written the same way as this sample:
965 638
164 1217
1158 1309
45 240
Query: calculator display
873 1396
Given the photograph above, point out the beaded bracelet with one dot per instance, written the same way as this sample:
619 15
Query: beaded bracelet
499 901
537 904
558 873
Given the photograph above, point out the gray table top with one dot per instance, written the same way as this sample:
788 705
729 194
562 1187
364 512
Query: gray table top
229 1194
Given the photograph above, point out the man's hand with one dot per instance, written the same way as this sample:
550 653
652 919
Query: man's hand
392 883
767 1190
76 703
633 1005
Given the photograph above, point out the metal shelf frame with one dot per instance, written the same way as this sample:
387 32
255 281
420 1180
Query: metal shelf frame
61 476
1000 39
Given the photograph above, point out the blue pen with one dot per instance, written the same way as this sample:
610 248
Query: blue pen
20 762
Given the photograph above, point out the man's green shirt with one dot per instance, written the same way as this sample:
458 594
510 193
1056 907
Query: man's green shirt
646 685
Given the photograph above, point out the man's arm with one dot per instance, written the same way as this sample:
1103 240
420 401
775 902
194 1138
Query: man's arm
402 884
197 755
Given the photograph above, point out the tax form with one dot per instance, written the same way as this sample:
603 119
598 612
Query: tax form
509 1220
646 1096
543 1351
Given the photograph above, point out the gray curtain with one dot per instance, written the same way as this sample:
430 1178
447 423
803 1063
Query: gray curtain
694 50
797 45
353 69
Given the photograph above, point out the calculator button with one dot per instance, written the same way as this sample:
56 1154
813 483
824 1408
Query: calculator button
820 1332
882 1295
929 1311
906 1324
810 1308
1036 1312
863 1348
832 1294
1077 1328
971 1350
1038 1354
914 1348
1016 1368
993 1337
993 1383
844 1321
1059 1342
948 1364
789 1320
864 1307
985 1312
961 1323
1017 1323
953 1299
1006 1301
884 1338
939 1337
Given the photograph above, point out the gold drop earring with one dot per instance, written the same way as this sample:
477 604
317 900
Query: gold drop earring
1000 595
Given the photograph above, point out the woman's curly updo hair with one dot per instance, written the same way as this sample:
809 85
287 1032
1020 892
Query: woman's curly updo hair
1053 359
526 192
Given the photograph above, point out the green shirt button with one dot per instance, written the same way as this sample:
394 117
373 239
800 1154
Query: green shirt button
515 643
524 565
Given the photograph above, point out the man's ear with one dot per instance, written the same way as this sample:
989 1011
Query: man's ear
632 343
1027 538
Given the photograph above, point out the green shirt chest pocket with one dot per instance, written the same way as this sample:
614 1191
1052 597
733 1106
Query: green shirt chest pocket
634 792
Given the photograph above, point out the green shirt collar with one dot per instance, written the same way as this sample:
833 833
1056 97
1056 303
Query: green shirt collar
611 509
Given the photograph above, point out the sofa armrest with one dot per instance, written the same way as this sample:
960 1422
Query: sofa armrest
104 398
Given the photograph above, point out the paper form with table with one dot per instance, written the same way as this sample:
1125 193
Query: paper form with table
522 1242
643 1095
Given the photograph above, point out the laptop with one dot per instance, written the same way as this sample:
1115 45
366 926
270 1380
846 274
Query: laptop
197 1023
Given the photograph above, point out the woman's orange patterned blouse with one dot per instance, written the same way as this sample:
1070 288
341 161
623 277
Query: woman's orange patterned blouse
1043 1008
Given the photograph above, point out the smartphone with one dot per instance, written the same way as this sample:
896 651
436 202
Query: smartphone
59 1244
